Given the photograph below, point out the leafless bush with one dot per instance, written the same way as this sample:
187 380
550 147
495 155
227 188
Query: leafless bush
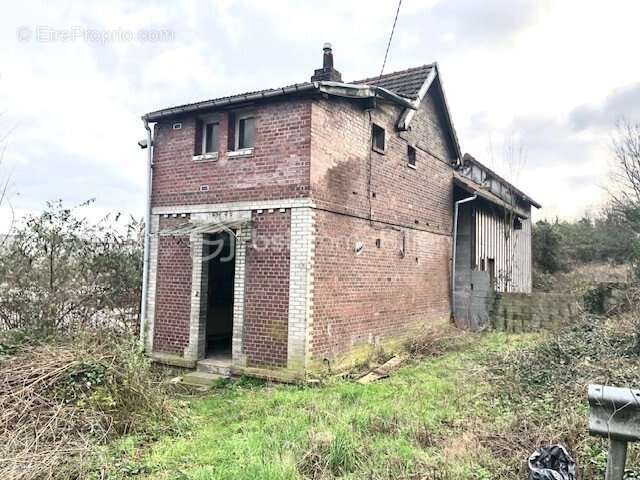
59 271
60 400
436 341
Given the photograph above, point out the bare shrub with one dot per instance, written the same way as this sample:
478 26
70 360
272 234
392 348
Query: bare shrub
436 341
61 399
59 271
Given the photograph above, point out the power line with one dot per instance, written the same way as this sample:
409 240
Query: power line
390 38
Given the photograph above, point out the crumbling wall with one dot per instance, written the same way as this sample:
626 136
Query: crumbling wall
526 312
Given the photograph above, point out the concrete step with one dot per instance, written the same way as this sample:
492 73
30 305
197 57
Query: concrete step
201 379
218 367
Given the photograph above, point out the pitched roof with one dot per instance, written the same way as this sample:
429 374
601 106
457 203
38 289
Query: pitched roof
405 82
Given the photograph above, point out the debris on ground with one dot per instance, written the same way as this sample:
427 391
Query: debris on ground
382 371
552 463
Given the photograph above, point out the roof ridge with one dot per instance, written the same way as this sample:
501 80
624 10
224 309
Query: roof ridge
386 75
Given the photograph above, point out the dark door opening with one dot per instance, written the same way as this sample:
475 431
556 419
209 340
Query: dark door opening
221 272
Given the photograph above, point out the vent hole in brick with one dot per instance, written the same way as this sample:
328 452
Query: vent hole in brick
204 188
416 222
378 242
373 195
417 260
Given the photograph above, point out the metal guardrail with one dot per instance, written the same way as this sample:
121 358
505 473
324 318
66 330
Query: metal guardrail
614 413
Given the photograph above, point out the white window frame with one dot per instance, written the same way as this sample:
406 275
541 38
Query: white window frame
211 156
205 123
415 157
383 131
236 143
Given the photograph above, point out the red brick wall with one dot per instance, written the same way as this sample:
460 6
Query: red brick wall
278 168
378 292
173 292
345 172
266 307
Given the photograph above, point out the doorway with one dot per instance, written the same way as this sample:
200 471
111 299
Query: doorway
220 292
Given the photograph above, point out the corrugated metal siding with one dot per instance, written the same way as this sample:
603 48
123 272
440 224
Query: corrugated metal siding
510 249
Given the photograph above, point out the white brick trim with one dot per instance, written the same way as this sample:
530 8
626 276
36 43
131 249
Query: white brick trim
199 281
148 323
300 274
233 206
243 238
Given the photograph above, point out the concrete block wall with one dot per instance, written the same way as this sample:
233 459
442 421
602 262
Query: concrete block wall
525 312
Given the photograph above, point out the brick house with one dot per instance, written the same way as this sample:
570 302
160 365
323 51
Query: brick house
291 229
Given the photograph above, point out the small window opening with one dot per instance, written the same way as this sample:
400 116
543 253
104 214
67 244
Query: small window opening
491 266
411 156
377 138
210 138
245 132
517 223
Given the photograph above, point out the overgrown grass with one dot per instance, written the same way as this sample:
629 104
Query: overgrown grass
63 397
408 426
465 406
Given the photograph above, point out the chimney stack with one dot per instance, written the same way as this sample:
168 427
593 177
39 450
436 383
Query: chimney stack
327 72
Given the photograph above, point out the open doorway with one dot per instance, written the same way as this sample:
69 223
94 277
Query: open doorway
220 282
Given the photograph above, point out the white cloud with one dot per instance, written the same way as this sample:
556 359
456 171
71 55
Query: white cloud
506 65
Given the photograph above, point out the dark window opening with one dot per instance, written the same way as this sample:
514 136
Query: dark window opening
411 155
517 223
211 137
491 266
377 138
246 132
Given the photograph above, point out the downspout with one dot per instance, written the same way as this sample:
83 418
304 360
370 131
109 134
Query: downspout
147 236
453 255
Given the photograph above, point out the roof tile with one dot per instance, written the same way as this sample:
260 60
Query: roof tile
406 82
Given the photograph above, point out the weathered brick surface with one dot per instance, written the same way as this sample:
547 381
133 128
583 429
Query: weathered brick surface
266 308
378 293
359 298
345 171
277 169
173 292
320 149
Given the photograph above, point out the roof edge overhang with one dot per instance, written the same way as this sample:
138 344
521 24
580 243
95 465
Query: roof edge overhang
338 89
407 115
476 189
471 159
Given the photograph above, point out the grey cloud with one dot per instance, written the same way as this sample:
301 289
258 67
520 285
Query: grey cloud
621 103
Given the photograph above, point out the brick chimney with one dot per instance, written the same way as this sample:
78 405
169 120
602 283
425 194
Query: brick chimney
327 72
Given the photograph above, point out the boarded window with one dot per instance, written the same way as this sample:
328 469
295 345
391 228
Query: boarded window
377 138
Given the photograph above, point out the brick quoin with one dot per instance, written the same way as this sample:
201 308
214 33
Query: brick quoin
266 310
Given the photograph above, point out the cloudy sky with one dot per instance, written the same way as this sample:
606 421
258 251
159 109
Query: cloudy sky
75 77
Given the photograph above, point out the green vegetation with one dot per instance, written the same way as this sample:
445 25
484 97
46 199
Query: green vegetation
422 419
